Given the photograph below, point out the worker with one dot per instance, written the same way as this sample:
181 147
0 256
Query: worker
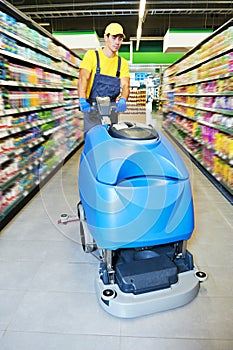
104 73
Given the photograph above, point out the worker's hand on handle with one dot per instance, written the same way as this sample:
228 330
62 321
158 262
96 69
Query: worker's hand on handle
84 105
121 105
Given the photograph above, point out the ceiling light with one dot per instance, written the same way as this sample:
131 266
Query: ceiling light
142 6
141 18
139 34
45 24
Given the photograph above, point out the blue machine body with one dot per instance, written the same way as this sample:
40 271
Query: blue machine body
135 193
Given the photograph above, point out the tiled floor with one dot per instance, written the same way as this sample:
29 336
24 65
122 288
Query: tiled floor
47 296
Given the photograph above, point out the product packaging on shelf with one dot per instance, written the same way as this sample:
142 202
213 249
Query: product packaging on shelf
38 108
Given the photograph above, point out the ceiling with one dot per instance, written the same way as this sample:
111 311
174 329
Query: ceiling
67 15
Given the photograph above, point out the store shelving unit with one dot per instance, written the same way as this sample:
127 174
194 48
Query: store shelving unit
40 121
198 106
136 104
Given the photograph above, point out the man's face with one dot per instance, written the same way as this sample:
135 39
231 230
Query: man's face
113 42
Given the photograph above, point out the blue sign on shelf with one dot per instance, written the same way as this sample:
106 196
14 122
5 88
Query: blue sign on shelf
141 76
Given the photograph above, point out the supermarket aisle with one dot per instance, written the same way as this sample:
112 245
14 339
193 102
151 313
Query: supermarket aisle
47 297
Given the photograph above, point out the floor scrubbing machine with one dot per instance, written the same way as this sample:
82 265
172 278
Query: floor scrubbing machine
136 211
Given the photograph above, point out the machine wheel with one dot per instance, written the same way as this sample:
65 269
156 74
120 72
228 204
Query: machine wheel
201 276
108 294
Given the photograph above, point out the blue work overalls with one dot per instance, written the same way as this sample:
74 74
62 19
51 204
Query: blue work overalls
103 85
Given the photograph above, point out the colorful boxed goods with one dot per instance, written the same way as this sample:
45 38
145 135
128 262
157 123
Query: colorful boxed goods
208 157
8 23
223 171
10 195
224 145
209 135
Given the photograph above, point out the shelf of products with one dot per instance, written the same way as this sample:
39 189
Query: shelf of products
198 105
40 121
136 104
